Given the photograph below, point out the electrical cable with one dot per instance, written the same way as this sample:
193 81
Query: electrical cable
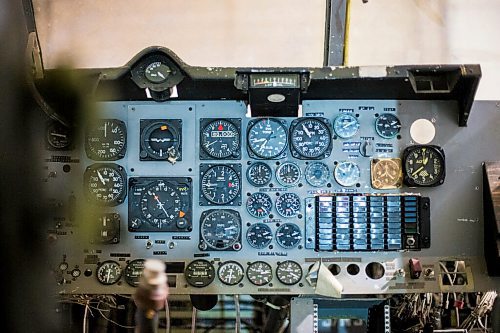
237 328
85 318
167 317
193 320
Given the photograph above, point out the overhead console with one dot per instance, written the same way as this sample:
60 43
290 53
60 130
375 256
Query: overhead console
259 180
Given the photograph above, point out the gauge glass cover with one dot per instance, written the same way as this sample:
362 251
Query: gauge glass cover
259 235
106 140
105 184
288 174
259 174
346 126
424 166
310 138
267 138
288 204
317 174
221 139
288 235
259 204
220 229
259 273
230 273
289 272
220 184
387 125
347 173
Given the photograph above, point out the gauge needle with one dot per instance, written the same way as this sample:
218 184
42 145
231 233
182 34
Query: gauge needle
305 130
108 275
105 129
57 134
101 178
160 75
160 204
417 171
348 124
211 143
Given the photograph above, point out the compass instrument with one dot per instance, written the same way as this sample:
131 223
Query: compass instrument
424 166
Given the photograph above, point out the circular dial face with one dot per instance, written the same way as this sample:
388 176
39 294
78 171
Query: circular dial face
259 273
387 125
346 126
221 229
259 235
220 184
317 174
106 140
288 235
259 174
160 140
259 204
133 272
200 273
347 173
157 72
230 273
267 138
288 204
161 204
288 174
105 184
221 139
424 166
310 138
386 173
58 136
109 272
289 272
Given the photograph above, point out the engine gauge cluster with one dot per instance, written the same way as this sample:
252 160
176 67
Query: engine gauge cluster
160 204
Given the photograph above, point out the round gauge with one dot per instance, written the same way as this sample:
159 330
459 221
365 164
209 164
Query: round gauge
289 272
220 229
200 273
346 126
424 166
106 140
133 272
288 174
230 273
267 138
157 72
160 141
105 184
310 138
317 174
259 273
387 125
288 235
108 272
259 204
160 204
220 184
347 173
386 173
221 139
288 204
259 235
259 174
58 136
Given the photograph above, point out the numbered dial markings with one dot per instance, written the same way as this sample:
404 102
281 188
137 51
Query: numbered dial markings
157 72
267 138
105 184
259 174
259 235
288 174
387 125
108 272
161 140
386 173
288 235
289 272
424 166
58 136
220 229
133 272
259 273
259 204
220 185
221 139
230 273
199 273
288 204
346 126
106 140
310 138
317 174
347 173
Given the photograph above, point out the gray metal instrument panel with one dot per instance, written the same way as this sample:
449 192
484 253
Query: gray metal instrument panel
455 206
